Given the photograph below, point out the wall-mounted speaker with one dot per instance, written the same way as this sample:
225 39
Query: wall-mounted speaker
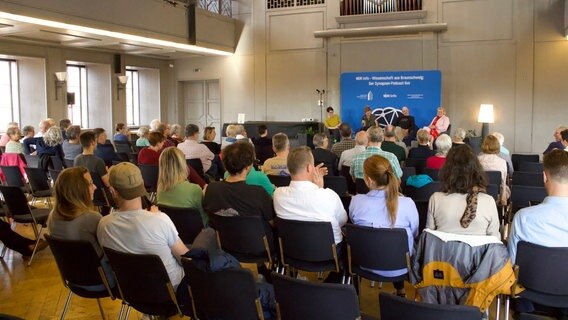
70 98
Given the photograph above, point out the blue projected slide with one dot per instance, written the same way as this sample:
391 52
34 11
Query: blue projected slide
387 92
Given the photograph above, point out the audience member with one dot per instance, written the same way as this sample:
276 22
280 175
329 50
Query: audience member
154 124
194 150
463 207
389 144
490 161
399 140
72 146
263 145
164 129
564 136
105 149
443 145
423 150
306 199
87 158
384 207
64 124
16 242
439 124
458 137
368 120
143 133
407 124
231 134
121 133
42 127
209 135
176 133
347 156
74 216
332 123
48 146
375 139
557 143
28 132
346 142
173 188
151 154
132 229
324 156
5 137
503 152
277 165
14 145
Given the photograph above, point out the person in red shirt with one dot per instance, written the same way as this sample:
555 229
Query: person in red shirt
151 154
443 145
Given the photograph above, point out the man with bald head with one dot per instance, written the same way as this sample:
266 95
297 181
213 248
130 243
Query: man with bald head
406 123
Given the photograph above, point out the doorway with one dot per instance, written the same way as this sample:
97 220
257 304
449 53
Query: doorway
202 105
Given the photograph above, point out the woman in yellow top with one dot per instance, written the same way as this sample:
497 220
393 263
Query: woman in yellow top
332 123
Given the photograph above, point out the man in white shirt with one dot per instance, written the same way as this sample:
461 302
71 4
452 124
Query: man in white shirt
348 155
306 199
192 149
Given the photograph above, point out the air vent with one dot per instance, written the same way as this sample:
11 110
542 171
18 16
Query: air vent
277 4
70 35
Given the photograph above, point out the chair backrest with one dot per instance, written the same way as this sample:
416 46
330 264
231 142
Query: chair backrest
197 165
516 159
279 181
122 147
406 172
493 190
418 163
241 235
78 263
432 173
336 183
16 200
346 172
56 163
422 207
493 177
226 294
150 176
38 179
68 163
101 197
300 299
531 167
525 196
376 248
143 282
13 176
306 240
32 161
424 192
541 273
187 221
395 308
361 186
527 179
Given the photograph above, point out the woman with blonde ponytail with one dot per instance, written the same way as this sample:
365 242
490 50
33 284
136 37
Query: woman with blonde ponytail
384 207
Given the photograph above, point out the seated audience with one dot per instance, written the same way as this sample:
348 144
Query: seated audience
277 165
389 144
151 154
64 124
132 229
176 133
443 145
490 161
231 136
14 145
263 145
16 242
5 137
87 158
557 143
164 129
192 149
257 178
72 146
121 133
28 132
209 135
463 207
348 155
73 216
173 188
375 139
458 137
332 123
49 145
324 156
346 142
383 207
306 199
564 135
143 133
105 150
439 124
399 140
503 152
154 124
423 150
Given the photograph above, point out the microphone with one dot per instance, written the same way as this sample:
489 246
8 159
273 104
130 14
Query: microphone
318 91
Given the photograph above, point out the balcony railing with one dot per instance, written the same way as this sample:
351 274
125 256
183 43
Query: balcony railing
355 7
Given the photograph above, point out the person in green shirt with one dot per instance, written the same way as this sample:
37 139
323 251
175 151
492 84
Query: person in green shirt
174 189
257 178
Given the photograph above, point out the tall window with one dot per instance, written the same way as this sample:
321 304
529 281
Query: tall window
9 99
77 85
132 98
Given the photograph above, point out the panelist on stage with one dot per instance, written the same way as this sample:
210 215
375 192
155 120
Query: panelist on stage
332 123
439 124
368 120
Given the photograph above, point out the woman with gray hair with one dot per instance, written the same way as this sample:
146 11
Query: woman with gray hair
47 146
142 134
443 145
72 146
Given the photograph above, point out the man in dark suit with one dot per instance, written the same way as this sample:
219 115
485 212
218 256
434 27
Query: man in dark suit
323 155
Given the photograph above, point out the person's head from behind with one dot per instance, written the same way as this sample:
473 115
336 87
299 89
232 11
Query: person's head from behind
64 123
73 133
500 137
361 138
28 131
121 128
175 130
44 125
423 137
154 124
231 131
345 130
280 143
164 129
209 134
262 130
462 171
443 144
564 137
300 162
143 132
379 175
13 133
375 135
192 131
238 157
490 145
100 135
156 139
172 169
557 133
74 190
12 125
459 135
320 140
126 183
53 136
555 165
88 140
390 134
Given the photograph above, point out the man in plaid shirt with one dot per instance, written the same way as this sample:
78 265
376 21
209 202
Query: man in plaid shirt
375 136
346 142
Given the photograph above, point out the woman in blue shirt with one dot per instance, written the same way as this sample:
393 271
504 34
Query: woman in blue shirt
383 207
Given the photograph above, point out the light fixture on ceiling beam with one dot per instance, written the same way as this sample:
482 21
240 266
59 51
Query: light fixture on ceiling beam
60 80
120 85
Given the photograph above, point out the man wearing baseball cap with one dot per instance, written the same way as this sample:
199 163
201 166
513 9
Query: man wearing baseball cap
132 229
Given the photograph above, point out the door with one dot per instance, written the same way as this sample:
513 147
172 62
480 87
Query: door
202 104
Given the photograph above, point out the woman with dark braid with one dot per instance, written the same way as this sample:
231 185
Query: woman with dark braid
463 206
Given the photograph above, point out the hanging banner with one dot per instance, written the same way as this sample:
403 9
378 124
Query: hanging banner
387 92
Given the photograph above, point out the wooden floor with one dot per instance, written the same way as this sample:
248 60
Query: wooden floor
37 292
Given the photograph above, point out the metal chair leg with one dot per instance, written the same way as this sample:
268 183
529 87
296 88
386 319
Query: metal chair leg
498 309
66 306
507 307
127 313
38 235
3 252
101 309
121 311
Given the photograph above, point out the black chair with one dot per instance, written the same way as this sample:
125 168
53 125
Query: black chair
300 299
422 207
361 186
21 211
39 184
493 177
150 175
80 266
529 316
425 192
336 183
493 190
346 172
525 196
406 172
14 177
539 271
516 159
279 181
531 167
395 308
143 283
376 249
32 161
527 179
226 294
56 163
418 163
102 196
187 221
432 173
54 174
68 163
307 245
197 165
122 147
245 238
